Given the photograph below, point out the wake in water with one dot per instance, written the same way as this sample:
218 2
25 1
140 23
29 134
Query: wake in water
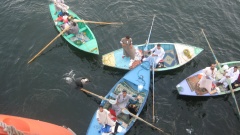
69 77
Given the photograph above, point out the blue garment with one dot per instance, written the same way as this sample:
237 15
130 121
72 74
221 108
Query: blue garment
105 129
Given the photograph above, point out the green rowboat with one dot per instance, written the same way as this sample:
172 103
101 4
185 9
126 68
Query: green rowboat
84 41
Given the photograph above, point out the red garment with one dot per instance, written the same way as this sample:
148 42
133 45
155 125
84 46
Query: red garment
60 18
238 80
113 113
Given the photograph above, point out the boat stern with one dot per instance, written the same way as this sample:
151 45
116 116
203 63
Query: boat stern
109 59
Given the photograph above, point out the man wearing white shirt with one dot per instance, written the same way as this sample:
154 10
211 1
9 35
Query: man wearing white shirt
232 74
103 117
209 74
157 55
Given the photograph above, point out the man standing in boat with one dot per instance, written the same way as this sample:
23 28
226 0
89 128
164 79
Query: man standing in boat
122 101
128 49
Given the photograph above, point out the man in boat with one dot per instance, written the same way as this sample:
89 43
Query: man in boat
122 101
59 5
157 54
208 78
74 29
81 81
221 72
137 59
128 49
62 17
236 84
103 117
232 75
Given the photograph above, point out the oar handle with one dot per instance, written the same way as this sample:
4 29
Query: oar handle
75 20
48 44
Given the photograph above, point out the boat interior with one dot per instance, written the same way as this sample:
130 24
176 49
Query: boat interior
193 80
131 89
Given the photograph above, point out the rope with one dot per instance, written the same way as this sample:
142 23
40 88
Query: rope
11 130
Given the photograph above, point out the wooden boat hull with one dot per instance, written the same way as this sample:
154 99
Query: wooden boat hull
129 82
90 46
33 127
173 58
188 86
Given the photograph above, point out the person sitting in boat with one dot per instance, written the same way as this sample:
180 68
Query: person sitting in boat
62 17
235 84
128 49
232 75
103 117
221 72
208 78
122 101
137 59
74 29
157 54
60 6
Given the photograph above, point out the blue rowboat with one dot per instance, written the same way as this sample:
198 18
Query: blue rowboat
84 41
139 76
174 56
188 86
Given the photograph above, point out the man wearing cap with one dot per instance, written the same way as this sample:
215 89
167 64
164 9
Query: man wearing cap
157 54
122 101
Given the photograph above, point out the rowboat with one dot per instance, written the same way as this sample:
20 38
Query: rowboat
174 56
188 86
84 41
139 76
24 126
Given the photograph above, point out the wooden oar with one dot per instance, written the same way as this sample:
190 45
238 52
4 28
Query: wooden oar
103 23
153 91
101 97
229 83
67 27
124 110
145 49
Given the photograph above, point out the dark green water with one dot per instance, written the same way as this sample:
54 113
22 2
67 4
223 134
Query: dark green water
38 90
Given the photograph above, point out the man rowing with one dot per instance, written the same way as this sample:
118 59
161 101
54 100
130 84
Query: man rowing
122 101
157 54
232 75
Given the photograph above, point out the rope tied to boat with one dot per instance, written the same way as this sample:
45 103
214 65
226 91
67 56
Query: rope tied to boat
11 130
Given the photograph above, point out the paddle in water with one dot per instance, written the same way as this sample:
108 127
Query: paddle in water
67 27
147 42
101 97
229 83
